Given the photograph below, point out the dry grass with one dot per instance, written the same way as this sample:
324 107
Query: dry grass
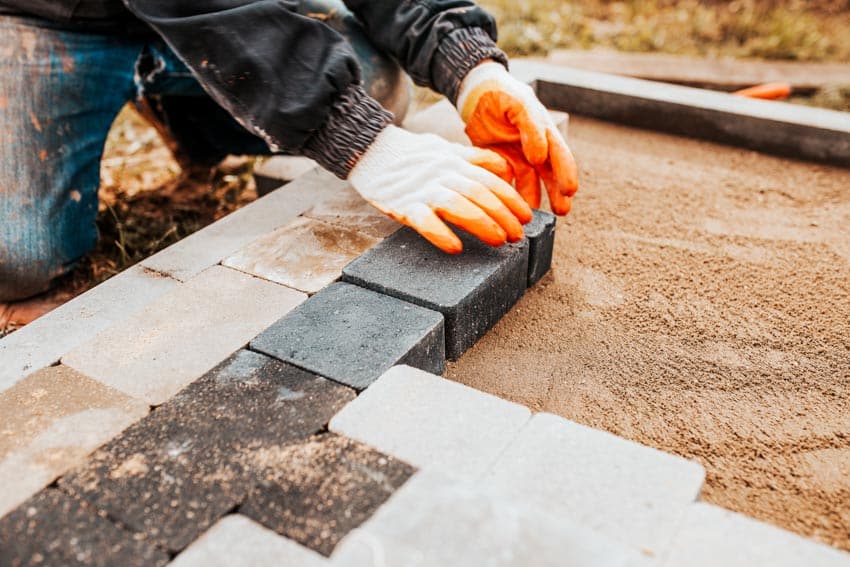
796 30
147 202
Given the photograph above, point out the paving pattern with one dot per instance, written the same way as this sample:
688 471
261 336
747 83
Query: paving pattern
206 411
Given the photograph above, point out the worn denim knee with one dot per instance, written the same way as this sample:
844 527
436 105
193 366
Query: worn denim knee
59 92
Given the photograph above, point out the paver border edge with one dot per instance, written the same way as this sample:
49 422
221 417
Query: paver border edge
777 128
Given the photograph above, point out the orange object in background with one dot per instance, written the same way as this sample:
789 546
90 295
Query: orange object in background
768 91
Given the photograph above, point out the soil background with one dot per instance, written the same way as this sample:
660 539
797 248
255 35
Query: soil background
699 303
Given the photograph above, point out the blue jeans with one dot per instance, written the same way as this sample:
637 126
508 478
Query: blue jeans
60 90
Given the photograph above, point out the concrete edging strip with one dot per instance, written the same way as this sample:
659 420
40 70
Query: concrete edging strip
772 127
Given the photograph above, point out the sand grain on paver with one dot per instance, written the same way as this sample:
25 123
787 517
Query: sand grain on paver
699 303
316 491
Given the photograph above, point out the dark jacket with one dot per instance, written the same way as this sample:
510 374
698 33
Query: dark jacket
291 79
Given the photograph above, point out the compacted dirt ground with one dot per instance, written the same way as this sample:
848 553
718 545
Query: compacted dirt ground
699 303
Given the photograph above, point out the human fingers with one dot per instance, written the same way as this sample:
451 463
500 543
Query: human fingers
458 210
487 201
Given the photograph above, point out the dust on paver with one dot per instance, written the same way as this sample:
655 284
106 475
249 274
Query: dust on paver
193 459
53 528
319 490
473 290
307 254
52 420
353 335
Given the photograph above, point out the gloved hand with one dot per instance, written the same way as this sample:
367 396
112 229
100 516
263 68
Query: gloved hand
503 114
422 180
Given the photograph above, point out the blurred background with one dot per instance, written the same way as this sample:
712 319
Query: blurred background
149 202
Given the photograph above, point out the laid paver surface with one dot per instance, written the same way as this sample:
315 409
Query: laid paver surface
353 335
435 520
306 254
713 536
632 493
473 291
52 528
52 419
175 473
431 422
240 461
348 209
317 491
183 334
44 341
237 540
207 247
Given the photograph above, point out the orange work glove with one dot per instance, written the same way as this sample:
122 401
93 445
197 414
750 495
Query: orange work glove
422 180
503 114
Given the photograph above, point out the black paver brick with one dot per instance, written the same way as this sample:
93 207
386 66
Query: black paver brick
473 290
353 335
319 490
52 528
173 474
540 233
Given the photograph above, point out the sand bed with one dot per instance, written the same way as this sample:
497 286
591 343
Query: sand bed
700 304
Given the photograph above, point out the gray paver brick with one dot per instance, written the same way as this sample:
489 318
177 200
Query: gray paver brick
44 341
432 422
306 254
540 233
473 290
207 247
713 536
183 334
632 493
236 540
52 528
318 490
52 419
434 520
347 208
353 335
176 472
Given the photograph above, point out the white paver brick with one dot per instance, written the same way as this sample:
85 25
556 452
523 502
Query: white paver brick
183 334
347 208
51 420
433 520
634 494
306 254
209 246
713 536
236 540
44 341
432 422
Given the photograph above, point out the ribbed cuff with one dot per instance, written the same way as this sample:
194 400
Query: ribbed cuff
355 121
458 54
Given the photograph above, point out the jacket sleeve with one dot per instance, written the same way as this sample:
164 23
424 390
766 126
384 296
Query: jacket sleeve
290 79
436 41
